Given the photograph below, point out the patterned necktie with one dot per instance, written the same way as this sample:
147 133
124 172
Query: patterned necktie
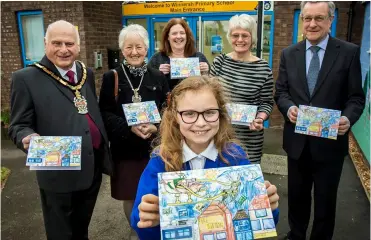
313 70
71 76
94 131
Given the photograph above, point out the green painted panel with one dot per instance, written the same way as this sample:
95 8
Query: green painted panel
361 129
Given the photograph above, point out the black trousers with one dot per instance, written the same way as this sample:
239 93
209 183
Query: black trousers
67 215
304 173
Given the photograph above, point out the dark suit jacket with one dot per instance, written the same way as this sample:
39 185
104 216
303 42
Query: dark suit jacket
40 104
339 86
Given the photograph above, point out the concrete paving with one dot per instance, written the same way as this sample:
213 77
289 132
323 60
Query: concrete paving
21 216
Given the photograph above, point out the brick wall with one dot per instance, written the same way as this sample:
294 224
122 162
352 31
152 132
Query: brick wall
358 22
102 28
284 18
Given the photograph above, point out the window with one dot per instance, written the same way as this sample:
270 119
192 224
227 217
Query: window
256 225
169 234
221 235
261 213
208 237
31 32
140 21
179 233
187 232
268 223
298 26
183 213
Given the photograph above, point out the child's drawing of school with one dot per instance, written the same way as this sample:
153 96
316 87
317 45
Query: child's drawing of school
214 204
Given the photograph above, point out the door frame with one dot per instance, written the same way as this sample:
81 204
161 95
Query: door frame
193 18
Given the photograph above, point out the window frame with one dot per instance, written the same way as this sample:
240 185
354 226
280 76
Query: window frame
20 14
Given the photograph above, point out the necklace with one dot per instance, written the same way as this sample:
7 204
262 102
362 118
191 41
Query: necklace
80 102
136 97
136 70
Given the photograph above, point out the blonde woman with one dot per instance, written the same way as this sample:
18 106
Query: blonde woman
247 80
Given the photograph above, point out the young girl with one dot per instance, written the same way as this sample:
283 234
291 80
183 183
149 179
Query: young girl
195 133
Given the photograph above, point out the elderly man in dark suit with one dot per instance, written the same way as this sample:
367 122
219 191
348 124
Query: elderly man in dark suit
325 72
57 97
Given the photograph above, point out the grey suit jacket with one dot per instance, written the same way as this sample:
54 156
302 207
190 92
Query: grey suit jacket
40 104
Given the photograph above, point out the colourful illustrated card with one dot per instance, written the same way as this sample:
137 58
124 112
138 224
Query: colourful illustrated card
142 112
54 153
184 67
241 114
218 203
319 122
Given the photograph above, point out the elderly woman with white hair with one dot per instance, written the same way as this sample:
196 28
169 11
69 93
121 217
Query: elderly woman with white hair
131 82
247 80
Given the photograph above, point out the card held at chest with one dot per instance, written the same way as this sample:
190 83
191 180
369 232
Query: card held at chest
142 112
319 122
184 67
216 203
241 114
54 153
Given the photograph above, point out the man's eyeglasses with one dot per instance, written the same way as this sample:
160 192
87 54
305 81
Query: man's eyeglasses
211 115
318 18
237 36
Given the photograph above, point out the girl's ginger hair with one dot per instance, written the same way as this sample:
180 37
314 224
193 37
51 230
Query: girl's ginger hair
168 144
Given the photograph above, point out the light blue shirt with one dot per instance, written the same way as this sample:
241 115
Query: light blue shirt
64 72
321 52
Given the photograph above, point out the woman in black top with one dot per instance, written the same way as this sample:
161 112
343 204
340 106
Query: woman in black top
177 42
130 146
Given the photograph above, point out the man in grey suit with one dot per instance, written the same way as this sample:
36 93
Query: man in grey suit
324 72
57 97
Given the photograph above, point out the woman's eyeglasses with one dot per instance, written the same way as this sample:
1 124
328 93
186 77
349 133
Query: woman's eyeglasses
237 36
189 116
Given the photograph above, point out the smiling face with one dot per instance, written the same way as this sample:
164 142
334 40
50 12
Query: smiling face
61 46
316 21
198 135
134 50
177 37
240 40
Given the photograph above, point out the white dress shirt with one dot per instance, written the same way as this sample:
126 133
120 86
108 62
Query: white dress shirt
197 161
64 72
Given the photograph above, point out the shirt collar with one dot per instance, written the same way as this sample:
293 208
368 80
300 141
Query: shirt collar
210 152
322 44
64 72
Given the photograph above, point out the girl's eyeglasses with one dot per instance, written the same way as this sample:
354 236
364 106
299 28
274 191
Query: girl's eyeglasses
190 116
